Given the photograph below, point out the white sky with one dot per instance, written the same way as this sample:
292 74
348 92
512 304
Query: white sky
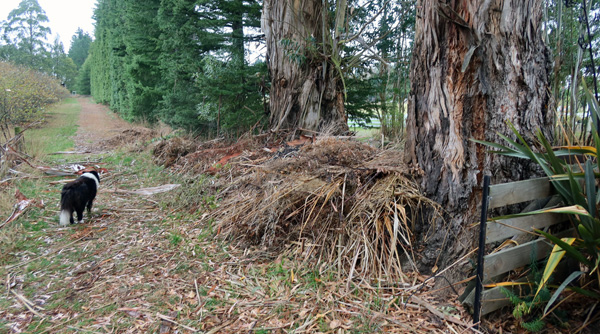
64 16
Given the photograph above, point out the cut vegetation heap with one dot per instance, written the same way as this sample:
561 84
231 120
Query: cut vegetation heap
337 200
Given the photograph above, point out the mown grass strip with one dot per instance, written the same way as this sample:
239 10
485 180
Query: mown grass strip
57 133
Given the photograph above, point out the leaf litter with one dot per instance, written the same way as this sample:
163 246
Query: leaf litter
307 238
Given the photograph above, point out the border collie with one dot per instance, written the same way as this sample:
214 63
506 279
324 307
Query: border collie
77 195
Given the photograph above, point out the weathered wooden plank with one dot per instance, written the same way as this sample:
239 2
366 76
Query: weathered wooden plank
516 257
497 230
519 191
493 299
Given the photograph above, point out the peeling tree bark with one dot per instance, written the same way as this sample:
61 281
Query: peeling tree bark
306 90
476 66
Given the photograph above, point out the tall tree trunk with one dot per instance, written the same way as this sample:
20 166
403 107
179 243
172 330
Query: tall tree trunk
476 66
306 89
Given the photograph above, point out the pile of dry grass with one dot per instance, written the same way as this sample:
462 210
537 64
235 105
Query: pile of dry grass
339 201
209 156
129 137
336 200
167 152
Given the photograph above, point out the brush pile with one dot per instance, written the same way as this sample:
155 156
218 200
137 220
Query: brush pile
133 138
167 152
211 156
337 200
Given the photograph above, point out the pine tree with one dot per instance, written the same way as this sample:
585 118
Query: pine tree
231 99
80 47
207 82
107 75
82 82
101 85
140 59
180 60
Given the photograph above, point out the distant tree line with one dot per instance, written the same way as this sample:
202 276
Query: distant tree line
180 61
201 65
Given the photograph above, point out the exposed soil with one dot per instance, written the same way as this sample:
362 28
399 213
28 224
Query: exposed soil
96 124
101 130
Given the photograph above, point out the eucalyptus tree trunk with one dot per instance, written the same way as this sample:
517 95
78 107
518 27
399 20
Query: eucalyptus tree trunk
306 87
476 66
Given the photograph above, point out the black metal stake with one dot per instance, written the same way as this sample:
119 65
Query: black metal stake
481 251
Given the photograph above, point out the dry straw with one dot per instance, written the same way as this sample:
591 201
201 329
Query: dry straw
339 201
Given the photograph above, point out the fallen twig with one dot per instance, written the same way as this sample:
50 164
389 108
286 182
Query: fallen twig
8 220
433 310
218 328
54 172
22 206
145 191
71 152
169 319
28 304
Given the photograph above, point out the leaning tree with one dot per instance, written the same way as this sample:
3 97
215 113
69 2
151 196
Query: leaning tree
304 64
477 65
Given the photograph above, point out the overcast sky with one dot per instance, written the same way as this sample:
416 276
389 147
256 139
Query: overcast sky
64 16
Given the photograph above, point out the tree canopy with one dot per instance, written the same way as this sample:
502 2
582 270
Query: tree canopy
179 61
25 34
80 47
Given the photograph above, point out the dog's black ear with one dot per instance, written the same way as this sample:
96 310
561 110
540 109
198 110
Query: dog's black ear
96 175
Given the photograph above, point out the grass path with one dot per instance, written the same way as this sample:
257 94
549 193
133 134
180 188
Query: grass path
146 264
57 134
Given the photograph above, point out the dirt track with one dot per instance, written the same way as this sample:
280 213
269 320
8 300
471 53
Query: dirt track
96 123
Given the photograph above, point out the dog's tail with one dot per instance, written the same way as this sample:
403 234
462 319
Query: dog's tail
66 207
65 217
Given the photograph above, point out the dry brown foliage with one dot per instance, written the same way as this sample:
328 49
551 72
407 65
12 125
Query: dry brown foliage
337 200
340 201
128 137
206 155
167 152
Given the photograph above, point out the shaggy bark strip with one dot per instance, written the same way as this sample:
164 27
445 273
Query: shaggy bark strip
476 66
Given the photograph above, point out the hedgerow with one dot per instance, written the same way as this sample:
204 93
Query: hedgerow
24 93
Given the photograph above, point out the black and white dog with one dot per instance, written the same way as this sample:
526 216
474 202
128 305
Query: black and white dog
77 195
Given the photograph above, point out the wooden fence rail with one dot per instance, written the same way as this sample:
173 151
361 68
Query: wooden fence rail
536 193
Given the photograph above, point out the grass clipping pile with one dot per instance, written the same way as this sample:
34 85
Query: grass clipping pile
339 201
133 138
